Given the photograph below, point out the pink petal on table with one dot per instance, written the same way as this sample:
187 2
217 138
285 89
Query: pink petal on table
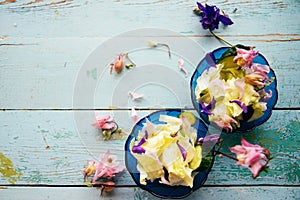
134 115
181 66
104 122
135 96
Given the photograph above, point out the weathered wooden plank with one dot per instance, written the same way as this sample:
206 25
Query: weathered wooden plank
215 193
106 18
73 141
44 73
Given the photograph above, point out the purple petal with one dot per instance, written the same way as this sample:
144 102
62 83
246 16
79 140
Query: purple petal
211 137
138 149
182 150
212 104
207 109
143 140
225 20
200 6
241 104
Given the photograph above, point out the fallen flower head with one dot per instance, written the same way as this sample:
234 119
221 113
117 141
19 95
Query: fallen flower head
107 125
118 63
252 156
105 168
211 16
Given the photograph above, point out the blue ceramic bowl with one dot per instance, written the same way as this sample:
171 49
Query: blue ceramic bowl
210 60
156 188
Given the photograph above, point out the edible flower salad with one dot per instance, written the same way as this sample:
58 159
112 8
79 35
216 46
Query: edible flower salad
168 151
234 89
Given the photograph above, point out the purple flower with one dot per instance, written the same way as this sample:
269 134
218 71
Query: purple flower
209 138
241 104
138 148
182 150
207 109
211 17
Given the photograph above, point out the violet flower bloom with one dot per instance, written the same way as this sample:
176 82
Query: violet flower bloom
241 104
107 167
138 148
104 122
252 156
211 17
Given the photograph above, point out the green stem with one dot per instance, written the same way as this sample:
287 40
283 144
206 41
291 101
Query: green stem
220 38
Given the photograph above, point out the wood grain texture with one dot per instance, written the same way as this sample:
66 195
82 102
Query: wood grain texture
107 18
25 135
217 193
51 49
43 73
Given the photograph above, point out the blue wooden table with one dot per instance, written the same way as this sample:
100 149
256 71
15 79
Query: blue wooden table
54 72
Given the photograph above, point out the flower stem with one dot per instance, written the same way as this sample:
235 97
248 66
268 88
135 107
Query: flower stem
165 45
130 60
227 155
220 38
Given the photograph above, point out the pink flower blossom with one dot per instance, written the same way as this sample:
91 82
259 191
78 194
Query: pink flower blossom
255 79
104 122
107 167
244 57
252 156
257 74
225 122
118 63
265 96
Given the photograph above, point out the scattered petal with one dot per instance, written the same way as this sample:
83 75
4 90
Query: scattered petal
152 43
104 122
135 96
134 115
181 66
118 63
